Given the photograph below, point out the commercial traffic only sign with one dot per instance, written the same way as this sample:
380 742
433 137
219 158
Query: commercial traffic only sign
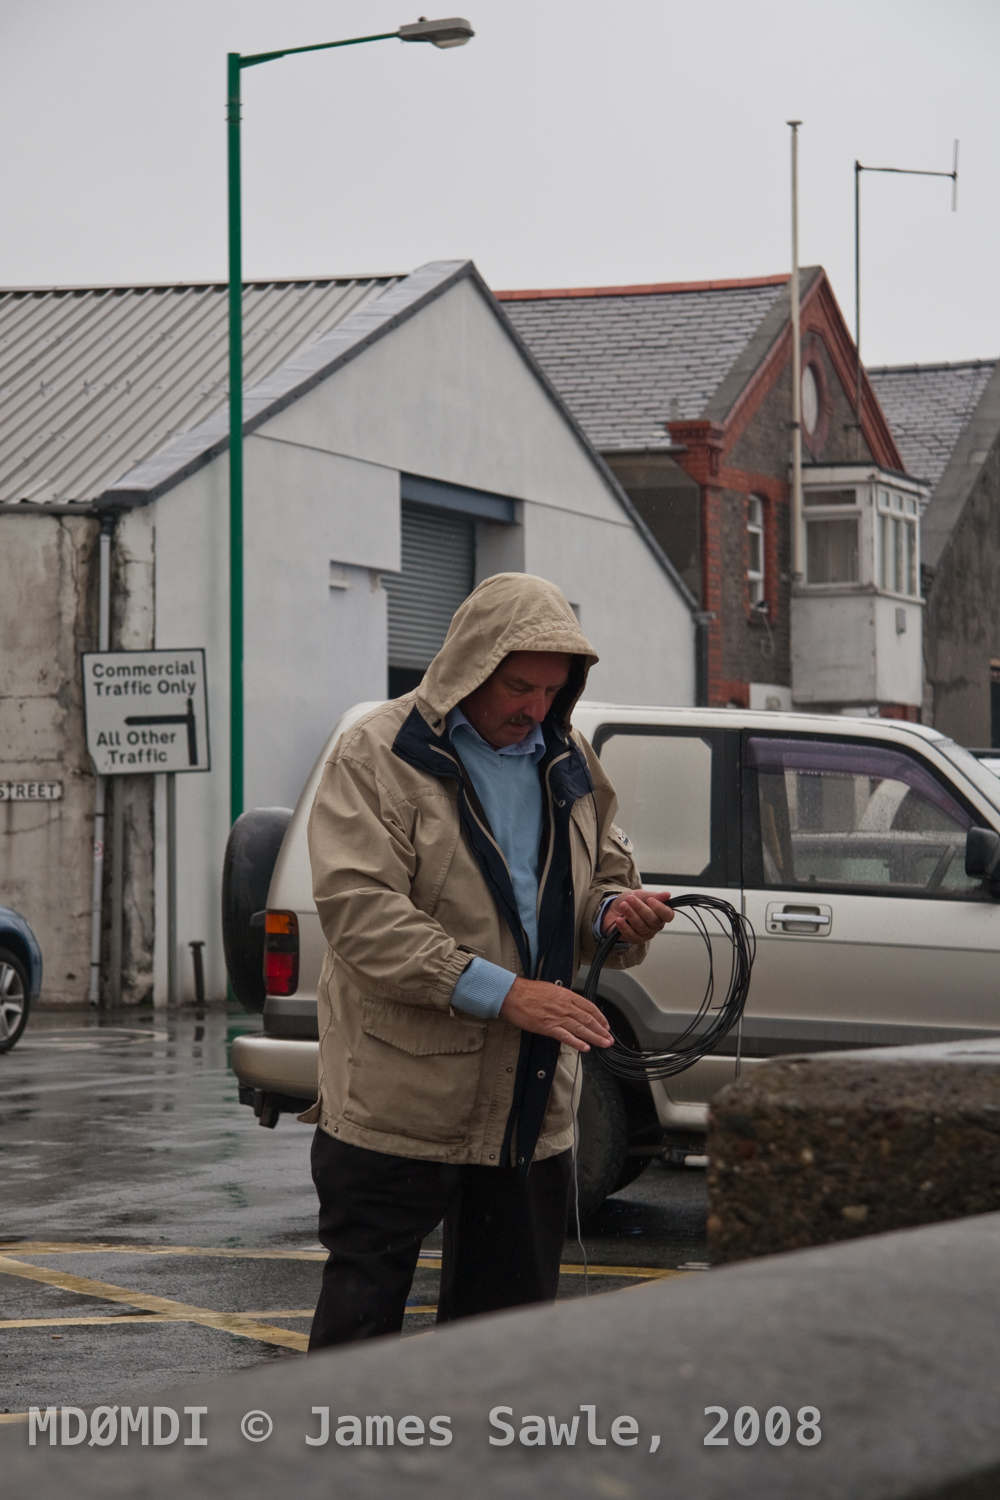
146 711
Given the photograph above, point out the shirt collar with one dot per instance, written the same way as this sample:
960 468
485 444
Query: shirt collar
532 744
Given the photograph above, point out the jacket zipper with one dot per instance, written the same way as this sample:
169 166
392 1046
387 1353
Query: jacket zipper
543 878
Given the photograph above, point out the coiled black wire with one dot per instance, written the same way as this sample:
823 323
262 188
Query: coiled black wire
693 1043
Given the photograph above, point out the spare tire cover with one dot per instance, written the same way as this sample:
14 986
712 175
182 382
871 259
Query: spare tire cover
251 852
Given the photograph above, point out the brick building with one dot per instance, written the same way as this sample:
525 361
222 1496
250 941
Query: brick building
685 389
946 419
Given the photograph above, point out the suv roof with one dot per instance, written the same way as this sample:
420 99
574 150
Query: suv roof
769 718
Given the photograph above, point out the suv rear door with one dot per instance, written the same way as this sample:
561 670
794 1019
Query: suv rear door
678 794
868 929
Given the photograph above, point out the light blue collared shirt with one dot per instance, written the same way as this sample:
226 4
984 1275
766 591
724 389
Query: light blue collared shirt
508 786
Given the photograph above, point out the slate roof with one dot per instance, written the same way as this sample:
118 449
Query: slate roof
93 380
928 408
625 360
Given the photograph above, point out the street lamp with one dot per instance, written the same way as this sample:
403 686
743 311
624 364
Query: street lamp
452 32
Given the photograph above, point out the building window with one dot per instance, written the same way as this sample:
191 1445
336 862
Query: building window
898 563
755 549
832 550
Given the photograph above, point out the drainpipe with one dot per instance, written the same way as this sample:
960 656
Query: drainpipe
101 784
702 621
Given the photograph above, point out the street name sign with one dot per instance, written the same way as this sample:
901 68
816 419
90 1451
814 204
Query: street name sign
146 711
30 791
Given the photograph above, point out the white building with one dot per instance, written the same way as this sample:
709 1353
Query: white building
401 445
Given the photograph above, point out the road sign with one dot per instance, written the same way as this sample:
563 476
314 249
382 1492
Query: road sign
147 711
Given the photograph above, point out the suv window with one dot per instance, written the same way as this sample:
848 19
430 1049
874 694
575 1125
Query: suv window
836 814
669 788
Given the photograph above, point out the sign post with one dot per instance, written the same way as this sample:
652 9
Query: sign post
146 712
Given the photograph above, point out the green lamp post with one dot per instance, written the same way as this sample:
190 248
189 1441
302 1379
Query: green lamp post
453 32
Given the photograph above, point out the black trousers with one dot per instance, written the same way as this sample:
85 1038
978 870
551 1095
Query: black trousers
503 1236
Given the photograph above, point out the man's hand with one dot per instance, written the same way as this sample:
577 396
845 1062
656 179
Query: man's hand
550 1010
638 915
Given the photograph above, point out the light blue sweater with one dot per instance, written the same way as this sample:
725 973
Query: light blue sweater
508 786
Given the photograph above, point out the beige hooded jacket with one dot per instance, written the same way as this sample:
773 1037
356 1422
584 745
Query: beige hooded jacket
408 884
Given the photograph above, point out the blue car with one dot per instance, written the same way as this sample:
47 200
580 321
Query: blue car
20 975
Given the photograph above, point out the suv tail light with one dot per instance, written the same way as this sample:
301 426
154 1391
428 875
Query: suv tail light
281 952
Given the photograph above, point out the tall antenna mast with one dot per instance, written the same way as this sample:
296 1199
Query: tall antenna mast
798 561
898 172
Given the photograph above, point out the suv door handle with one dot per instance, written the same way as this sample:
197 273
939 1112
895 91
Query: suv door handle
808 921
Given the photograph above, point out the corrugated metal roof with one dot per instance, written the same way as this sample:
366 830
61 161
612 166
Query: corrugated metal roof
627 360
94 380
928 408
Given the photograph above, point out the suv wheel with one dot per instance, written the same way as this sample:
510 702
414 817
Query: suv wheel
13 999
251 852
602 1122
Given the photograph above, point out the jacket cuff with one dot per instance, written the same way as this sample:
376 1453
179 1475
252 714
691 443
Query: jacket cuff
482 989
597 923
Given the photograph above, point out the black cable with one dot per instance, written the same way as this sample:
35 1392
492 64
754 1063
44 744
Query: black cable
693 1043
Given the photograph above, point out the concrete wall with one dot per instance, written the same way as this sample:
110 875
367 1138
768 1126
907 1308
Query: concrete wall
962 622
49 601
49 594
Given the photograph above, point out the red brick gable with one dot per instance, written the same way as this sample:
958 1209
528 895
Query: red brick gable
821 317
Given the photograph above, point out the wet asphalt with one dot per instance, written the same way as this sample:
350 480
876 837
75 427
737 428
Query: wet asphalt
152 1233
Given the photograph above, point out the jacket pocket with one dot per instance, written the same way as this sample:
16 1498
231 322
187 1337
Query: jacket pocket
415 1072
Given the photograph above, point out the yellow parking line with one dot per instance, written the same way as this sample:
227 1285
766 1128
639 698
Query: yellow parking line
642 1273
429 1260
136 1318
80 1322
14 1416
173 1311
40 1247
296 1312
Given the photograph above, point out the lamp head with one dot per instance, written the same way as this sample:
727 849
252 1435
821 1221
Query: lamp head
454 31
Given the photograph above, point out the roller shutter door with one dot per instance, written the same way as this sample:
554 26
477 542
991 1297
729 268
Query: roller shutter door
438 557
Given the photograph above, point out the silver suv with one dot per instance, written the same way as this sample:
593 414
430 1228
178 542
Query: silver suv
845 841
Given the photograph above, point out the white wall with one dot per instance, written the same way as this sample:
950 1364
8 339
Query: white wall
311 650
447 395
845 648
192 609
899 675
636 621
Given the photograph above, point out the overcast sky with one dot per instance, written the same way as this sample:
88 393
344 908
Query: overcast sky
570 144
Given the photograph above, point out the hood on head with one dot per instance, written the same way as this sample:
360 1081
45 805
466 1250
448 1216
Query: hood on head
508 612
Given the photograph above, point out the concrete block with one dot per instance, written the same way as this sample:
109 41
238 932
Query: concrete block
892 1339
809 1150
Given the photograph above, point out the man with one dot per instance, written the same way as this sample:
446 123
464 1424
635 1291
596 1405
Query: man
465 860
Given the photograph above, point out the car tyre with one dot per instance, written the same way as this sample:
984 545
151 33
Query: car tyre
632 1168
251 852
15 998
602 1126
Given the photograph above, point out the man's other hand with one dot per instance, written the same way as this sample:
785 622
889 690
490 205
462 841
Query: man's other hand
638 915
551 1010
